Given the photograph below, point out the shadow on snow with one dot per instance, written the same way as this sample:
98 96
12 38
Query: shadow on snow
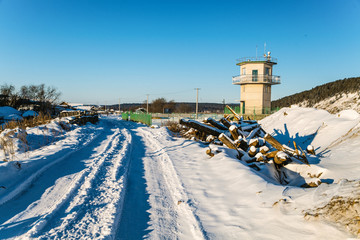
134 222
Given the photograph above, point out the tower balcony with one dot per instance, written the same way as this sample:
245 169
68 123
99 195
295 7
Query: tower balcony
261 79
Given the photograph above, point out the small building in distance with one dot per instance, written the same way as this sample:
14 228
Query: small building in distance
255 80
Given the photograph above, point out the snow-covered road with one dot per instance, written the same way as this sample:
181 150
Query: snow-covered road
80 196
123 180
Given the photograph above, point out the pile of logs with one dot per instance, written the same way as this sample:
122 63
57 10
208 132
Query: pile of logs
252 143
83 119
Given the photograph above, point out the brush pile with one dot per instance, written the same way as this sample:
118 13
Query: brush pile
253 145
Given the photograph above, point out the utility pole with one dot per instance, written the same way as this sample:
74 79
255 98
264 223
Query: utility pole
119 106
197 101
147 103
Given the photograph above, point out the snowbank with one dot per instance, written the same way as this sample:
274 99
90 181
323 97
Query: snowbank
30 113
9 113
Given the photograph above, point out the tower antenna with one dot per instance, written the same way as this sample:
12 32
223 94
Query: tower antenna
256 52
264 49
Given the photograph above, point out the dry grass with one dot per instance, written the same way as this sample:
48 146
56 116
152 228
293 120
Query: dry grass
173 126
7 146
344 211
31 122
7 141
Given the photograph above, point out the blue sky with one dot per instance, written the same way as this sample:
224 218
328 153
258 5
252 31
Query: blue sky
100 51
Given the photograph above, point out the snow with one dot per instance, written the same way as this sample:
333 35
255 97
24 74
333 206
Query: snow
30 113
124 180
80 106
6 111
337 103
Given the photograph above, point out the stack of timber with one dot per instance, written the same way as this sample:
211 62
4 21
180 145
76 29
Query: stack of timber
85 118
253 145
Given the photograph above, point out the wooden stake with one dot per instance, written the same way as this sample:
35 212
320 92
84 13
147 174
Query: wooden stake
233 112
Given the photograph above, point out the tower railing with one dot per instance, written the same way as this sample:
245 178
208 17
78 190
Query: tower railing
257 59
270 79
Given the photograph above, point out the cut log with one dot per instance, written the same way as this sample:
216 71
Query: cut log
253 133
233 112
201 127
281 157
229 143
252 151
242 143
271 154
264 149
249 127
260 157
254 142
234 132
270 139
310 149
210 138
225 122
216 124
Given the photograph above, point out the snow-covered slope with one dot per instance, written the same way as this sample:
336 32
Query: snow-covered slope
337 103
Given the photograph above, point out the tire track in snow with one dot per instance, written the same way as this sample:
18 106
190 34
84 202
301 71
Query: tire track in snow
69 149
171 216
96 207
91 203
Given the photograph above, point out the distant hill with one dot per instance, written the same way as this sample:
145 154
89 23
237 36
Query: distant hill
333 97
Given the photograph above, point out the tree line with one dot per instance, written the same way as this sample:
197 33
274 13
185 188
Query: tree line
44 97
319 93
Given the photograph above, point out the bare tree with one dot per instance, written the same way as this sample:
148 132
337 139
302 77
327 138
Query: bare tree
44 96
8 95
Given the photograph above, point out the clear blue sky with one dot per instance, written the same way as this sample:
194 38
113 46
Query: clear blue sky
97 51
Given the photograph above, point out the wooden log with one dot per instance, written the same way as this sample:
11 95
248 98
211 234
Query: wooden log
201 127
254 142
249 127
233 112
310 149
271 154
281 157
252 151
234 132
225 122
270 139
242 143
253 133
229 143
216 124
210 138
262 132
260 157
264 149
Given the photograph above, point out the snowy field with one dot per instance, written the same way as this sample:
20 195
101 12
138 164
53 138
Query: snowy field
123 180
